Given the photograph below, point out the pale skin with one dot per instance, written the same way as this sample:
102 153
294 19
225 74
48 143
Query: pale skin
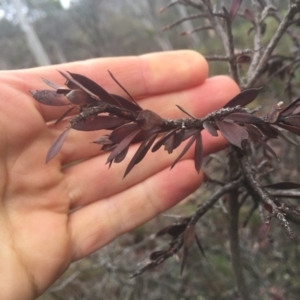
39 237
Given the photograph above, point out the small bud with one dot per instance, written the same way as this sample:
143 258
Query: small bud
148 120
78 97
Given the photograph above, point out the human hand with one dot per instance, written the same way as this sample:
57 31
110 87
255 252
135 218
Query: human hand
39 236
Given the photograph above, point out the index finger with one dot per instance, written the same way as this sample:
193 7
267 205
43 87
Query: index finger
142 76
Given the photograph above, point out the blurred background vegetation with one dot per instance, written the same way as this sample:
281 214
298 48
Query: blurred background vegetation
41 32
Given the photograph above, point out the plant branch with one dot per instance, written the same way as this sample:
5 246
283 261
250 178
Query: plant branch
286 22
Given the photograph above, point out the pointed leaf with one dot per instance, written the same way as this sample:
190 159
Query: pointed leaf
210 128
74 84
121 132
157 254
140 153
198 155
56 145
293 120
98 123
162 140
185 149
285 185
50 97
234 7
64 114
120 85
254 132
232 132
164 231
290 128
184 258
126 103
188 133
169 144
189 236
243 98
51 84
199 245
177 229
244 118
268 130
179 135
122 146
268 148
290 108
120 157
288 139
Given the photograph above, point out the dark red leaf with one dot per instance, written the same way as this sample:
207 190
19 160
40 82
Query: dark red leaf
188 133
199 245
104 140
98 123
293 120
122 146
290 108
189 236
243 98
268 130
74 84
244 118
290 128
148 120
164 230
140 153
232 132
95 88
126 103
63 91
64 114
234 7
56 145
210 127
198 155
120 85
264 230
120 157
185 149
188 239
162 140
169 144
179 135
50 97
268 148
177 229
285 185
157 254
287 138
51 84
184 258
254 132
121 132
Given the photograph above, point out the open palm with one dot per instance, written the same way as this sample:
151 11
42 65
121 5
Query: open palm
52 214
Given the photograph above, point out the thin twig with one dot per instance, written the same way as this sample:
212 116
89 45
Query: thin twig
286 22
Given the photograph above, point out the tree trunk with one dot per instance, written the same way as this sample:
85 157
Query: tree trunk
33 42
